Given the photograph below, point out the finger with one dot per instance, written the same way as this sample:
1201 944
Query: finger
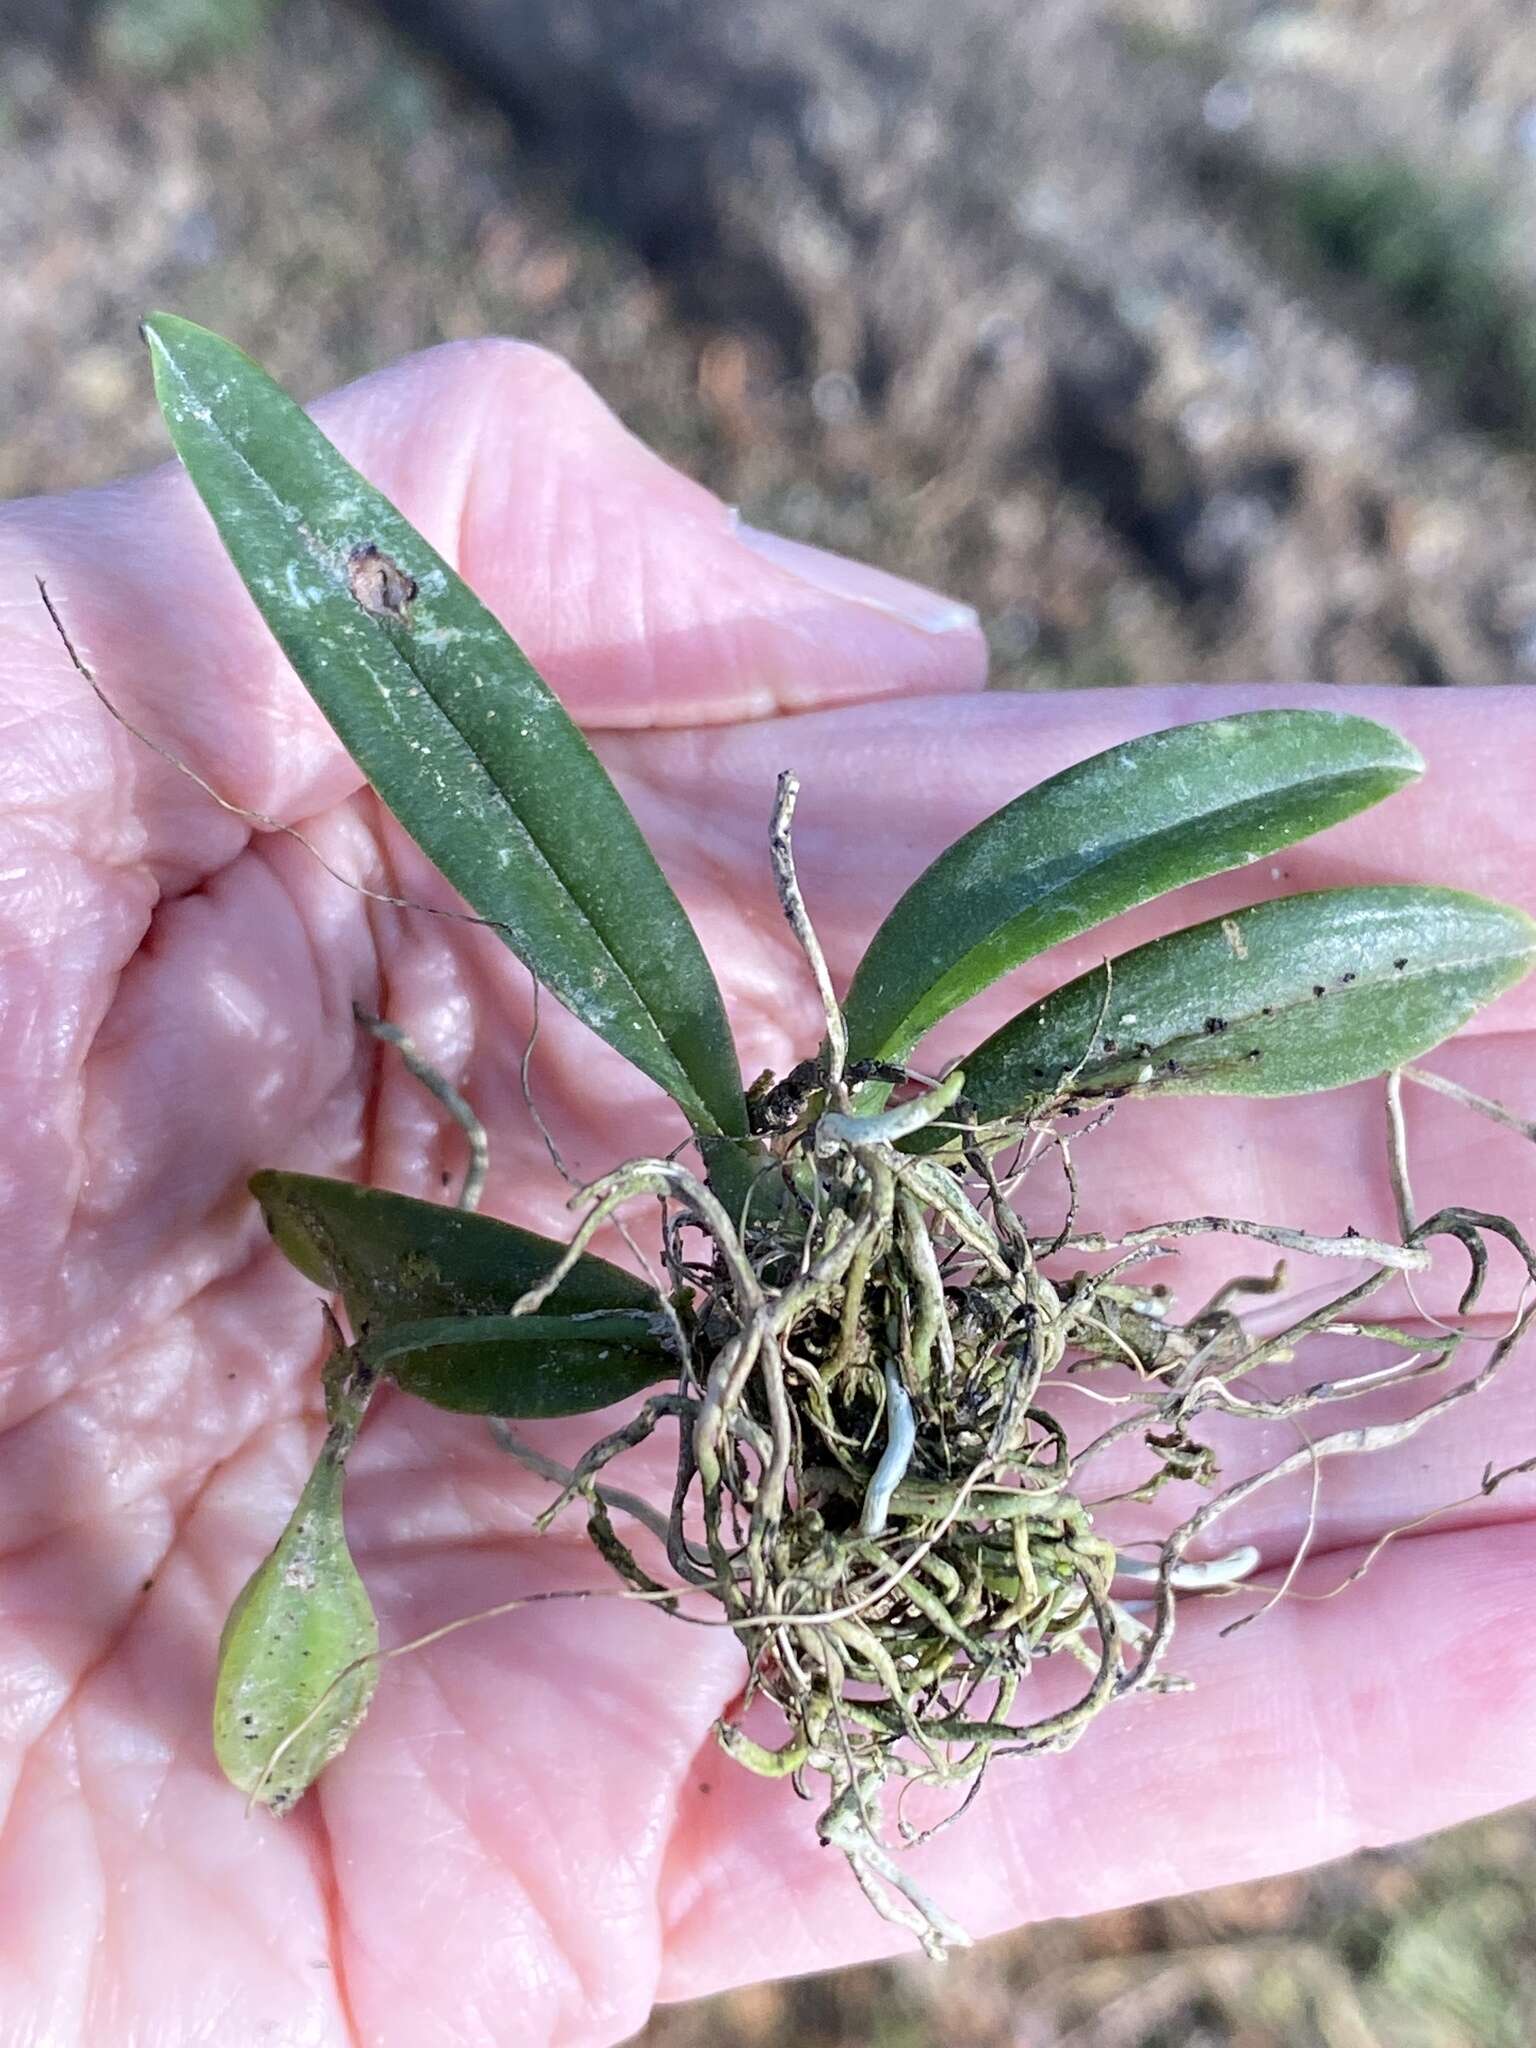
1405 1706
642 598
639 594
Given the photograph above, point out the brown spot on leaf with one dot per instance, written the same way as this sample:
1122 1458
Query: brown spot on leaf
379 584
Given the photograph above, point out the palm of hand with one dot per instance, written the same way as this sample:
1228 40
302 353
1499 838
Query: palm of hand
533 1837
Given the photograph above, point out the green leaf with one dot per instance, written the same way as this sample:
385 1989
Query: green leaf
450 723
301 1618
395 1260
525 1365
428 1290
1114 831
1283 998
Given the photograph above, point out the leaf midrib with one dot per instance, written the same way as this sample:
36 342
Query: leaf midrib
1393 978
319 556
1061 876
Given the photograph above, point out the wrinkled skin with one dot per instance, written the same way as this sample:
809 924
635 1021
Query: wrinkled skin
533 1837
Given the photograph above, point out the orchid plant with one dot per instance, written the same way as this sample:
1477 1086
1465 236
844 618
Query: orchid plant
865 1305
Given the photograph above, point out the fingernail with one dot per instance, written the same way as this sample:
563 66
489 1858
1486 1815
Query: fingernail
859 583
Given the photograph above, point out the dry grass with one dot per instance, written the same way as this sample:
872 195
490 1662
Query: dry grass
1432 1946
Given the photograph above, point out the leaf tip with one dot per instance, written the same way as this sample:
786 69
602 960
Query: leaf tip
289 1229
1525 925
158 330
1409 762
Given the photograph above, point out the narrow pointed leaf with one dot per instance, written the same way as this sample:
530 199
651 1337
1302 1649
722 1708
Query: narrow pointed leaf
449 721
1284 998
1113 831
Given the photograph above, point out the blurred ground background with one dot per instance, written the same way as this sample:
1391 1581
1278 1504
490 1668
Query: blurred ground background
1185 338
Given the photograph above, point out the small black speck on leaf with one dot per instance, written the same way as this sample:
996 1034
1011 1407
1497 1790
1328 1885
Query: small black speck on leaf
1319 988
1401 964
1346 979
1213 1025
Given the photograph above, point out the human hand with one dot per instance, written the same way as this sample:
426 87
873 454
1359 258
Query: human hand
532 1837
